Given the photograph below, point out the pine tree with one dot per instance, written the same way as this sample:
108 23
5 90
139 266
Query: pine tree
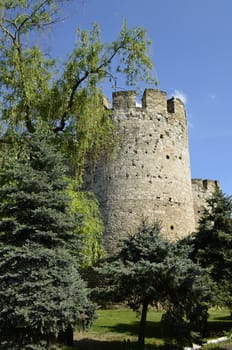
41 292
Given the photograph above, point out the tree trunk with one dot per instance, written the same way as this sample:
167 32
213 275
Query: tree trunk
66 337
142 325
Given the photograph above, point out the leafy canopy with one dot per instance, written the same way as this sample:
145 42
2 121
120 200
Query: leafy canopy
90 227
37 93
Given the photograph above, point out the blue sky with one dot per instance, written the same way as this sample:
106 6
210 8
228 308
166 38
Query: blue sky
192 54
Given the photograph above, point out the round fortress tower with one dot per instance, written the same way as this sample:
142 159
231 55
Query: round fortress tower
148 176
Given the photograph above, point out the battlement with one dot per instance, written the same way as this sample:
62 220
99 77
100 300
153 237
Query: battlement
205 184
124 99
152 100
175 105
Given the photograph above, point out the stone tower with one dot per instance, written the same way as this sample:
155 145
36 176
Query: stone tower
148 176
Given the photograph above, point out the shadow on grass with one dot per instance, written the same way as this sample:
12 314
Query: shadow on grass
215 328
152 329
223 318
219 326
91 344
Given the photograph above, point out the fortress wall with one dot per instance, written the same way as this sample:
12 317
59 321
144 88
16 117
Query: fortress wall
149 176
202 189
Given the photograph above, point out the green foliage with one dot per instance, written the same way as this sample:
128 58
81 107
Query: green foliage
91 228
37 93
41 291
217 214
213 244
65 99
148 270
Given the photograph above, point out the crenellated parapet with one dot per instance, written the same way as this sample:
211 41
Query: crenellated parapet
154 102
205 185
152 99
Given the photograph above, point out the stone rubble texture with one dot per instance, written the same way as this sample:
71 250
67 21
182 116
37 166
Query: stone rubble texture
148 176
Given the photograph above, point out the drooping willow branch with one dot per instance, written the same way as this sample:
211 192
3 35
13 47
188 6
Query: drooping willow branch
78 83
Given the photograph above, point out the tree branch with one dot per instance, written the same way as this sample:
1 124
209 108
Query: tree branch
32 14
79 82
6 31
26 105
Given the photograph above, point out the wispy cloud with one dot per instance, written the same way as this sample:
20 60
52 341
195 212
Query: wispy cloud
181 95
212 96
190 121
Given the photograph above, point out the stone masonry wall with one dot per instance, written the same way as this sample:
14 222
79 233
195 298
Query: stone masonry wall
202 189
148 177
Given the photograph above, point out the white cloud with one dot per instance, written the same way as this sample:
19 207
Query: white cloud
181 95
138 104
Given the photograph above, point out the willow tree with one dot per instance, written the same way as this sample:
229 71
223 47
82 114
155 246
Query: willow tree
68 101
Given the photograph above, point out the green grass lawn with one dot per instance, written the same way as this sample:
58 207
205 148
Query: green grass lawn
219 323
117 330
122 324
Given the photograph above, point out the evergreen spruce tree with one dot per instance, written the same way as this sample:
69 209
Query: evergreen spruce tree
41 292
150 271
213 245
